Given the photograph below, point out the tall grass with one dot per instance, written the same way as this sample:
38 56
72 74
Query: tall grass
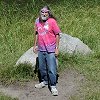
79 18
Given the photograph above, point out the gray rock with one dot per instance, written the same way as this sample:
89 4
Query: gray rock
68 44
28 57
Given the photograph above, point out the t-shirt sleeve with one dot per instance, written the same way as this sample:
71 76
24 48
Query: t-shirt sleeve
55 27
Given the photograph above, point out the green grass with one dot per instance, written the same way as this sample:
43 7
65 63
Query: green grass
22 72
79 18
3 97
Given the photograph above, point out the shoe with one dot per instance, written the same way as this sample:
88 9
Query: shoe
40 85
54 91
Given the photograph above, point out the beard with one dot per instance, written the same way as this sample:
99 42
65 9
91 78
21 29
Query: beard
44 17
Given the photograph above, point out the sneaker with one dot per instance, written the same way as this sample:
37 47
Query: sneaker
40 85
54 91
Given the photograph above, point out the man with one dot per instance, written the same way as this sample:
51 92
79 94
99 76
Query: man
47 40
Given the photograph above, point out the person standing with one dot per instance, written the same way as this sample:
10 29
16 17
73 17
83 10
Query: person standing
47 40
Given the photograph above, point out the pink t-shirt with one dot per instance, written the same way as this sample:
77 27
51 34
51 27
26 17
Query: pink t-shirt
47 32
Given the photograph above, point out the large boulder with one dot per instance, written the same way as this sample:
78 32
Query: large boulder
28 57
68 44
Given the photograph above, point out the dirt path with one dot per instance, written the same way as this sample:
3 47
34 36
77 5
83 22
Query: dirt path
69 83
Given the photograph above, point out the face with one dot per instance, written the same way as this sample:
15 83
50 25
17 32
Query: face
44 14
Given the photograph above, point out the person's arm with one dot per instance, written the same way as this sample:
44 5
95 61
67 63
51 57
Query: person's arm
57 41
35 43
57 45
57 32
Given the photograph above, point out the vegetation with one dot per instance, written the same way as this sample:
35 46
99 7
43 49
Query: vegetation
3 97
79 18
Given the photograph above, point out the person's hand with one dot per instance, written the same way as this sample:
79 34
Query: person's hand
56 52
35 49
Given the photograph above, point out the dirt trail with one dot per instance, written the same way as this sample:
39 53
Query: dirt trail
69 83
